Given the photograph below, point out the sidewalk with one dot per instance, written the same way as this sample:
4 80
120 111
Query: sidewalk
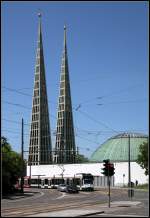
88 210
19 195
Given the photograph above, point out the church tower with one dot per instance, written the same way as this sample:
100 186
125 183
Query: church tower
40 138
65 150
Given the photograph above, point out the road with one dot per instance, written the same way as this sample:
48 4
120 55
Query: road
45 200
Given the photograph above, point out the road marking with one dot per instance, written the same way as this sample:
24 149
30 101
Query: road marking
85 193
62 196
143 199
68 195
121 203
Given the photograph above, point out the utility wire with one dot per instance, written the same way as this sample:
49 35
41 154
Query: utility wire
22 93
13 121
92 99
91 118
111 94
6 130
20 105
77 109
120 102
85 114
87 139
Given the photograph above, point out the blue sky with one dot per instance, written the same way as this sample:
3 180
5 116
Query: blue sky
108 65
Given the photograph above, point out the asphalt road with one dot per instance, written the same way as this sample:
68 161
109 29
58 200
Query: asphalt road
45 200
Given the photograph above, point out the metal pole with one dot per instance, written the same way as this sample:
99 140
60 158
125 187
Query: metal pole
108 185
30 170
22 142
109 190
129 170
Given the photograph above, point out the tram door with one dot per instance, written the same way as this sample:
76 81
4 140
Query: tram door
49 183
45 183
67 181
42 183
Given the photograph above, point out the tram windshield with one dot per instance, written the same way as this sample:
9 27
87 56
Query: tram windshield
88 181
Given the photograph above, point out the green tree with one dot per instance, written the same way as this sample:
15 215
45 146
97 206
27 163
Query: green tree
142 159
81 158
12 166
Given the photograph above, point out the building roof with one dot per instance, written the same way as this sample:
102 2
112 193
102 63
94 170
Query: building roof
116 148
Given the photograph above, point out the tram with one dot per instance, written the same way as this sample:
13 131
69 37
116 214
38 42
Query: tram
83 181
86 181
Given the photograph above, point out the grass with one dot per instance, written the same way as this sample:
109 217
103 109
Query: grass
140 186
143 186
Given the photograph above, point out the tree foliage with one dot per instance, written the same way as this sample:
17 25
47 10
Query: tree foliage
143 157
81 158
12 165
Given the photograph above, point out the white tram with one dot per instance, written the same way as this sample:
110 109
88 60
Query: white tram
82 180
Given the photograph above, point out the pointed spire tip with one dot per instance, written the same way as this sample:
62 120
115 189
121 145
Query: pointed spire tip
39 14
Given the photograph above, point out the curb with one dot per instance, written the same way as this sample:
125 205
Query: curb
30 195
89 214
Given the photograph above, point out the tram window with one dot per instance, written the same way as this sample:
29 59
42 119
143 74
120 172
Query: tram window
46 181
88 181
25 181
42 182
49 182
29 181
38 181
76 181
34 181
61 181
67 181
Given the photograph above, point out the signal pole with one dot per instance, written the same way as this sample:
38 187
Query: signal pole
108 190
108 171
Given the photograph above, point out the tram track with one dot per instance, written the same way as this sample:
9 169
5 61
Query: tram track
38 204
75 201
17 212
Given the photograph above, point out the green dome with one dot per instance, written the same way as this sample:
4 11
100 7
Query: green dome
116 148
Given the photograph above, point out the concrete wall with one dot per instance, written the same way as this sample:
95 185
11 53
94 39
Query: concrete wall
70 170
137 173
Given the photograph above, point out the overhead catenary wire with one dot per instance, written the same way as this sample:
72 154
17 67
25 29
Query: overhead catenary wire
87 139
19 105
120 102
22 93
23 106
111 94
6 130
53 130
84 113
78 132
78 109
14 121
96 121
92 99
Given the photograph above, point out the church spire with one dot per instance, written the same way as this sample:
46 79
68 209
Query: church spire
39 29
65 36
65 140
40 139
